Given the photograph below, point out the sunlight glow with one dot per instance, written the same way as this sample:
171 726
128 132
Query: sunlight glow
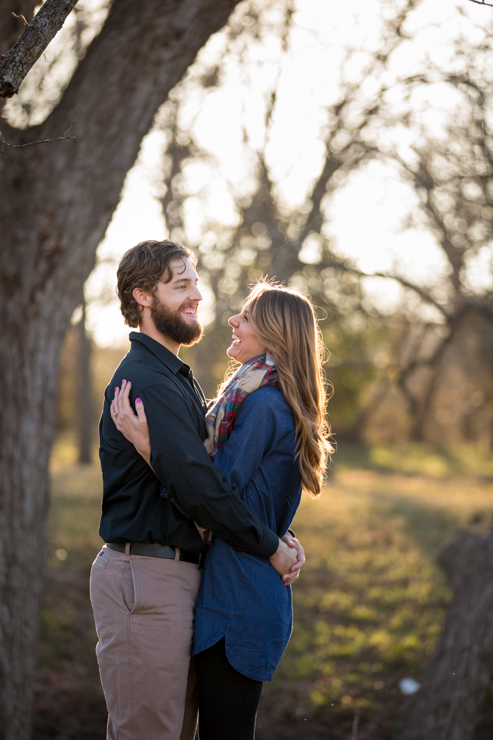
367 218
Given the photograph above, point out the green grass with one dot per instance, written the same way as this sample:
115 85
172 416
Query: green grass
74 516
417 459
370 602
67 636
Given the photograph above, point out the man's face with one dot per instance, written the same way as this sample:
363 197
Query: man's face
174 309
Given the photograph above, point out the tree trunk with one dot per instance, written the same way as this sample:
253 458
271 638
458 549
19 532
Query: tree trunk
56 204
84 409
28 413
448 703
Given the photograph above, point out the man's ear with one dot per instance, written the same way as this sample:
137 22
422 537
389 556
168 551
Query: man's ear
142 297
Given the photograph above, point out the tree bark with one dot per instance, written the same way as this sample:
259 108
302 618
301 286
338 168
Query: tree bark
448 703
56 205
26 51
84 410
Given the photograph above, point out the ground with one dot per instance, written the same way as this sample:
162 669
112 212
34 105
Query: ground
369 604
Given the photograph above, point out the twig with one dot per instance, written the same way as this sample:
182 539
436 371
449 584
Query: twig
20 16
354 733
63 137
481 2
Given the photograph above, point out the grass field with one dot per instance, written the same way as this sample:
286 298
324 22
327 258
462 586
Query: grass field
369 604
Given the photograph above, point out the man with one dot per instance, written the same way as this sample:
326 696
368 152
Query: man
145 580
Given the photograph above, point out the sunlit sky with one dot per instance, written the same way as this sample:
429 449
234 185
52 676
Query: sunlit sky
365 216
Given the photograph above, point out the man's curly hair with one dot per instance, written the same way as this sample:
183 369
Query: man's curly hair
144 266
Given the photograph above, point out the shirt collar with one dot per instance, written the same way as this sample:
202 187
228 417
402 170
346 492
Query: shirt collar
171 361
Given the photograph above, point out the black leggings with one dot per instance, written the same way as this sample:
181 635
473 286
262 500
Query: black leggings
228 700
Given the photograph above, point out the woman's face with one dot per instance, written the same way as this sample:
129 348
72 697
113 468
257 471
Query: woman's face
245 343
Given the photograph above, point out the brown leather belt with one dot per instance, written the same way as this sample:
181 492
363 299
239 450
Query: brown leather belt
155 550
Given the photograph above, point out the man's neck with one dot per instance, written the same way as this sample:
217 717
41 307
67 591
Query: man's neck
152 332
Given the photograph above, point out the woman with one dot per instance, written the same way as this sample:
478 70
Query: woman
268 436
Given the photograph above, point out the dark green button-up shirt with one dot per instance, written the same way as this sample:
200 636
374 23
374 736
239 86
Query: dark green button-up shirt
140 505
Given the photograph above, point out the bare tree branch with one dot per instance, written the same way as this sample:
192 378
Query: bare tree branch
481 2
421 292
345 266
5 143
26 51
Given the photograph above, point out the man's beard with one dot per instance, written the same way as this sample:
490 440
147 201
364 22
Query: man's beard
174 326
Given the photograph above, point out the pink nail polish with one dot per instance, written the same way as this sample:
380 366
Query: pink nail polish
138 400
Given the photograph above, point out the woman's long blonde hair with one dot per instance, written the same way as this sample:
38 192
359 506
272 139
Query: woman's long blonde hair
285 323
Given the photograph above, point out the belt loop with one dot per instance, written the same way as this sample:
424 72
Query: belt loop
177 553
127 548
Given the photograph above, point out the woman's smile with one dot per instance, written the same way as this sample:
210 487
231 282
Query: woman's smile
245 344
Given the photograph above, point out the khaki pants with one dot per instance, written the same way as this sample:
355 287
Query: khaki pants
144 609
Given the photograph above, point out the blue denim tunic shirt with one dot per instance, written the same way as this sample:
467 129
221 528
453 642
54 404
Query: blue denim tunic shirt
241 597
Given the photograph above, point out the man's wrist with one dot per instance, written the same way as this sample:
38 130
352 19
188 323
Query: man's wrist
268 545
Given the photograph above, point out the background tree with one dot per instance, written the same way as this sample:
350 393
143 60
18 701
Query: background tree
266 236
448 164
56 204
382 115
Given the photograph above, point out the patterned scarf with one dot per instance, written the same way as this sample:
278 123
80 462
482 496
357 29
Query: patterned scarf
221 416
